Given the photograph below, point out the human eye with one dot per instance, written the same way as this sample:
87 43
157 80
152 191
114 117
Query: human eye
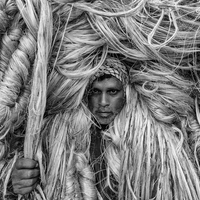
113 91
95 91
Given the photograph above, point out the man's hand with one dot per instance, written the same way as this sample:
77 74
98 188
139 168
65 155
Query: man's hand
25 176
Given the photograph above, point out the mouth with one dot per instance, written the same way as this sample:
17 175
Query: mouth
104 114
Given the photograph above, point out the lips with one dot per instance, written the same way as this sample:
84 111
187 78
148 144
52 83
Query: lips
104 114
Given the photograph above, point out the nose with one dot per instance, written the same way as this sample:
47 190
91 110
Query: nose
104 100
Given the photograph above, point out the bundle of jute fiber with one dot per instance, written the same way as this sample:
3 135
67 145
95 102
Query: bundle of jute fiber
146 30
8 9
17 54
20 78
37 104
67 138
150 133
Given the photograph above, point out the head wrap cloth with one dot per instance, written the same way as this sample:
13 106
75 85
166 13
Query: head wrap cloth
112 66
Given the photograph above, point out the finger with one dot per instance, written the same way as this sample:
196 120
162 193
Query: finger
25 183
25 174
25 163
24 190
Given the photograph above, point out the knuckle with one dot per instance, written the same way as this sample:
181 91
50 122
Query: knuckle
16 190
14 182
18 163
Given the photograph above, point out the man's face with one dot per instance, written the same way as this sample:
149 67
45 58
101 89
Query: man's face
106 99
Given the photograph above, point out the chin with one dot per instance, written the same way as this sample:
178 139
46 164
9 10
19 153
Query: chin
105 121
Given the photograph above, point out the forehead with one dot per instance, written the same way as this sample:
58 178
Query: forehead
107 83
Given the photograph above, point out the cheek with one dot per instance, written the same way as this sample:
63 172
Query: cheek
91 103
118 104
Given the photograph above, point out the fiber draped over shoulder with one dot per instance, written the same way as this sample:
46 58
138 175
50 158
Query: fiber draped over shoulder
47 55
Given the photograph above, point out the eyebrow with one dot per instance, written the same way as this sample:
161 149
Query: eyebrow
109 88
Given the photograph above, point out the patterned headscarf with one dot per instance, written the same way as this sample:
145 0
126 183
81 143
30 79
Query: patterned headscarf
112 66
